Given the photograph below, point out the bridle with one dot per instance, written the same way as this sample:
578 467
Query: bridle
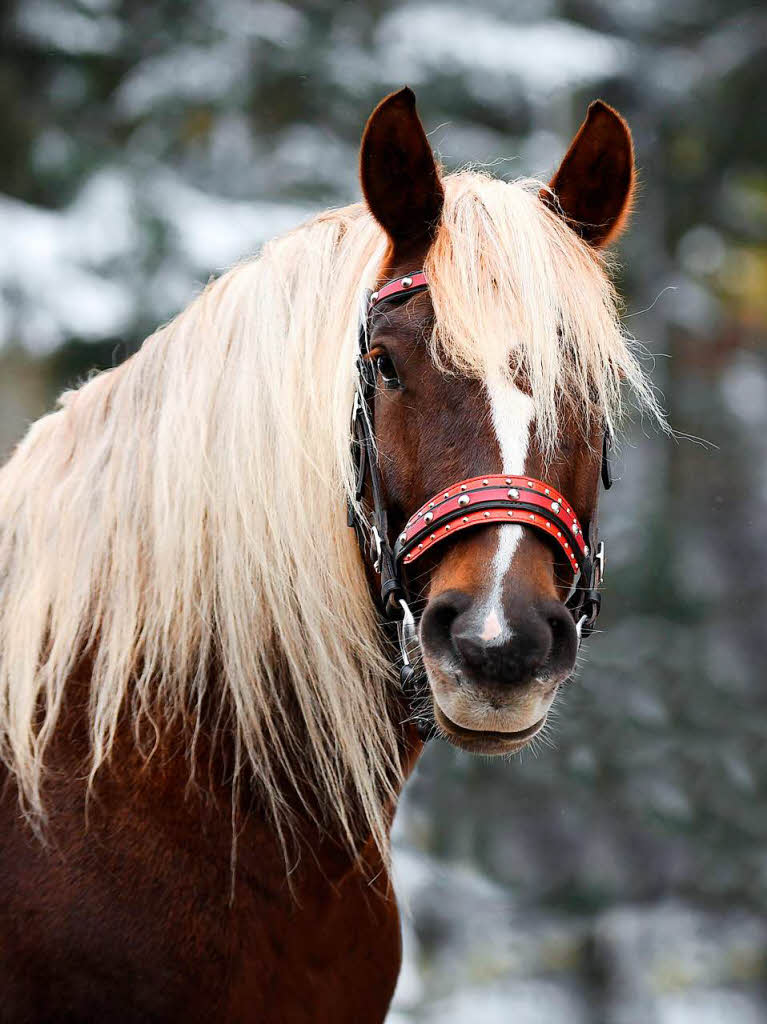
478 501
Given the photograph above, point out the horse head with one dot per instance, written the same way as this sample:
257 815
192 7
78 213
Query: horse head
497 634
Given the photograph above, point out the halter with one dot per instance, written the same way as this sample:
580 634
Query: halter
478 501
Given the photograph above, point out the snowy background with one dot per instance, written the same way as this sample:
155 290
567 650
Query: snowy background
617 875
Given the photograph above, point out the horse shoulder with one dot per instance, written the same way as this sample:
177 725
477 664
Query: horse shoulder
135 908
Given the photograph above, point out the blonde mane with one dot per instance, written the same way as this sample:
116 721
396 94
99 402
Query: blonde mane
186 510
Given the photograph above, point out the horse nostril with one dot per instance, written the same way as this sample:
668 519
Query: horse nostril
471 650
564 639
439 618
556 626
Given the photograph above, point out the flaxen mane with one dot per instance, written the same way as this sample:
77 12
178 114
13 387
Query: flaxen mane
187 508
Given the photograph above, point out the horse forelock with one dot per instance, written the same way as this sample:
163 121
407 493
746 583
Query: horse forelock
187 508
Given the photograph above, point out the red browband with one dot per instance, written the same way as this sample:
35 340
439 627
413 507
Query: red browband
493 499
402 284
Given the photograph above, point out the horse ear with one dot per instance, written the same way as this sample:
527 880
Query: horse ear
399 175
594 186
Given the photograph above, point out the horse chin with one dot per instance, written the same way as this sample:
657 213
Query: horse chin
485 741
485 722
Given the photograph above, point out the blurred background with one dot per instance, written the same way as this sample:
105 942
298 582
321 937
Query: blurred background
618 873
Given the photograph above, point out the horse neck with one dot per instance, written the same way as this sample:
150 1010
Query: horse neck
192 771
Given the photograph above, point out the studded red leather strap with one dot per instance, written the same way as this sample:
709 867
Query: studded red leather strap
493 499
411 282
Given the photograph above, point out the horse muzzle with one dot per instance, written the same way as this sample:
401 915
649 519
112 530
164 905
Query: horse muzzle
493 682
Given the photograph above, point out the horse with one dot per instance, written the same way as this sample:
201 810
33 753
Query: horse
212 690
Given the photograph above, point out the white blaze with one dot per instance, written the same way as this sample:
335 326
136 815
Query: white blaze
493 627
512 411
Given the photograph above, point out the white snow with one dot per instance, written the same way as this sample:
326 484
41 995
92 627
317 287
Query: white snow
50 283
66 29
76 272
545 55
186 73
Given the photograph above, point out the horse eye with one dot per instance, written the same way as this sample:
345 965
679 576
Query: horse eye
388 371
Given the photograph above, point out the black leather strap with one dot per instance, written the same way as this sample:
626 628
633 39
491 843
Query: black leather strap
377 544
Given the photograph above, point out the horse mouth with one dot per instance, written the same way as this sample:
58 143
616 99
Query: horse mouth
485 742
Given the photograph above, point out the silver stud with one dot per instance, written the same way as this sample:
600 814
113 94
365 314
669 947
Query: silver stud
419 547
465 519
464 499
548 525
513 493
403 537
586 550
532 516
407 282
559 533
484 483
576 531
510 512
428 517
531 484
447 494
555 506
547 491
463 487
486 515
432 537
508 481
431 504
447 527
374 297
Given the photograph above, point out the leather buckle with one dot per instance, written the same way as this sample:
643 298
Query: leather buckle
376 545
600 559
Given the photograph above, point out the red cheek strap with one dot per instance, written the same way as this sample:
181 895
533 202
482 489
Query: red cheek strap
493 499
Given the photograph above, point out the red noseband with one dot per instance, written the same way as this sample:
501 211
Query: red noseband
493 499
